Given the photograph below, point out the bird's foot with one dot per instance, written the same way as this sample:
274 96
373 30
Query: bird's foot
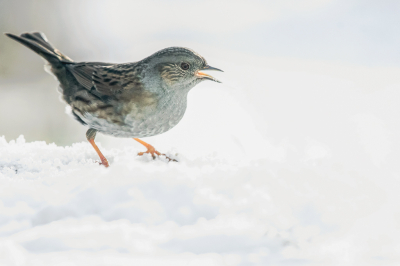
90 134
154 152
104 162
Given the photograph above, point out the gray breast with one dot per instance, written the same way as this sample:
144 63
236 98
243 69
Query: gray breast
143 122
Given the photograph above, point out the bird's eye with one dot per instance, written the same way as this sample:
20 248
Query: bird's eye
185 66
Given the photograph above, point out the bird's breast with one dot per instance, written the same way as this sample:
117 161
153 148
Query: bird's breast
141 115
157 117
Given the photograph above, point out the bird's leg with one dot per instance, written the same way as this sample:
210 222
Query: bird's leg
151 150
90 135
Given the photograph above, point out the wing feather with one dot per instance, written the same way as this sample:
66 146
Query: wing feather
107 79
83 72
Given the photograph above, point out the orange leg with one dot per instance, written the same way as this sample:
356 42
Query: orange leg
90 134
151 150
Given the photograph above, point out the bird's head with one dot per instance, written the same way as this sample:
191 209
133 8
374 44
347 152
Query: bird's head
180 68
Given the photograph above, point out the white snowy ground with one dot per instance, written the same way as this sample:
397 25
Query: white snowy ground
276 167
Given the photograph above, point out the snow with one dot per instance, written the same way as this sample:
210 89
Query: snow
276 167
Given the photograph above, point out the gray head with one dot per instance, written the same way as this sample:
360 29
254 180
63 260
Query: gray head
179 68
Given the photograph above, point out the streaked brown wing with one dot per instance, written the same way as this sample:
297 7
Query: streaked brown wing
83 72
116 79
107 79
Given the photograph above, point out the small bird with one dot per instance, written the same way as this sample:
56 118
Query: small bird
131 100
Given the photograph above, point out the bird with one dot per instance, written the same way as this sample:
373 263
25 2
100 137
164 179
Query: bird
128 100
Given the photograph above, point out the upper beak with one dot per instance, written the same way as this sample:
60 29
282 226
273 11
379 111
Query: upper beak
206 76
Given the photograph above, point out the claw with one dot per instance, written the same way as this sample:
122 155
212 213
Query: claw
151 150
103 162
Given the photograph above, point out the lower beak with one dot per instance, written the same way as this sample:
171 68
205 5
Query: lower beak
206 76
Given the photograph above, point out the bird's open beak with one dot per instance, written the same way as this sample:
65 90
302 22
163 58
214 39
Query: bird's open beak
206 76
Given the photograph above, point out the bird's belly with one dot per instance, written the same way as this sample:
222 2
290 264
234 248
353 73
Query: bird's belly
137 126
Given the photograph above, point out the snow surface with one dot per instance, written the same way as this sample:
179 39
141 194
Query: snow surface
275 168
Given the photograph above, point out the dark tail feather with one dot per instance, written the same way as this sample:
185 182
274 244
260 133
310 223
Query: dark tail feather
38 43
39 38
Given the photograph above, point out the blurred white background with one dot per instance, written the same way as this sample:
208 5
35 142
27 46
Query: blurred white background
292 160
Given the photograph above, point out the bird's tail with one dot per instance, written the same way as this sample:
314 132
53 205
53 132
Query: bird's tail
37 42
